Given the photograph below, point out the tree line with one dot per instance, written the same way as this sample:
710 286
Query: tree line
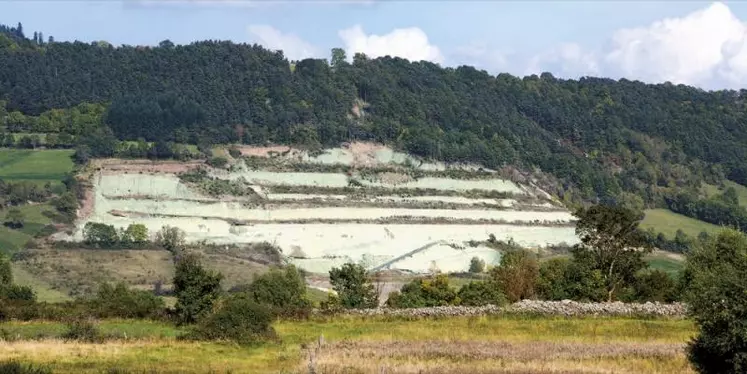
595 139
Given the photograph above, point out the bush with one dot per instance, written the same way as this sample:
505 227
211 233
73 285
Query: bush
551 284
654 285
283 290
82 330
718 303
481 293
476 265
15 367
237 318
517 275
353 287
217 162
196 289
234 152
19 293
119 301
421 293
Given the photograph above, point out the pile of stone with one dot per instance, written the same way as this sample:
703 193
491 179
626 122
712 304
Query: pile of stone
555 308
573 308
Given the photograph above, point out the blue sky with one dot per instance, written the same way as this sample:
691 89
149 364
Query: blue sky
698 43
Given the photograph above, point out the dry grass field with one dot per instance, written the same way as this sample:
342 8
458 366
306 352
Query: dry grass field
505 344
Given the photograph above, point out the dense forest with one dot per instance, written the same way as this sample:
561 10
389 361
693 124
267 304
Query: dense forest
596 139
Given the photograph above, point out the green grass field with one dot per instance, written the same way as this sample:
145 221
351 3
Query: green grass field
35 165
670 263
667 222
372 345
711 190
14 239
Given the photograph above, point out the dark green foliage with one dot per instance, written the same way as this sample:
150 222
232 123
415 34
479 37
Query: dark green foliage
171 239
654 285
353 287
424 293
18 293
481 293
14 218
234 152
237 318
195 287
283 290
83 330
120 302
476 265
552 281
217 162
612 244
16 367
517 274
100 234
718 303
66 204
719 209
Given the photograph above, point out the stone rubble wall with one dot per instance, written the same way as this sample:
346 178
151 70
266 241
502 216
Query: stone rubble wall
538 307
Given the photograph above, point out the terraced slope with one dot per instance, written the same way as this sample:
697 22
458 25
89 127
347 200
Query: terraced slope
362 203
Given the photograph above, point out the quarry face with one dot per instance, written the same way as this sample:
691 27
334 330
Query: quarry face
363 203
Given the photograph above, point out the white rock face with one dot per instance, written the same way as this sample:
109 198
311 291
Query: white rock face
315 233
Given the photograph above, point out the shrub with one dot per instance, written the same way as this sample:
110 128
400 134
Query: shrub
119 301
476 265
234 152
19 293
551 284
217 162
517 275
654 285
424 293
82 330
283 290
16 367
14 219
237 318
718 304
171 238
481 293
353 287
195 287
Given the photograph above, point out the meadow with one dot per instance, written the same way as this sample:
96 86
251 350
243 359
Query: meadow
489 344
39 167
668 222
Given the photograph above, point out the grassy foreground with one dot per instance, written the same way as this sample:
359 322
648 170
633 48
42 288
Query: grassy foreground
505 344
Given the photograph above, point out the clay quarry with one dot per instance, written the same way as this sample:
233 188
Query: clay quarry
361 203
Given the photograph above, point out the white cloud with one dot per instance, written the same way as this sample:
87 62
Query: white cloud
706 48
704 45
410 43
292 46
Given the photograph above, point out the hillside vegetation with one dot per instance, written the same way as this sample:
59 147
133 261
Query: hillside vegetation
598 138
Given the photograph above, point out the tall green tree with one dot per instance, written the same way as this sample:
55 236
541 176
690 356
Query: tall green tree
354 287
717 302
195 287
612 244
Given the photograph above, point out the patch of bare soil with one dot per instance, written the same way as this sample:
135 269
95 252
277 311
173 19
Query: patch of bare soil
113 165
87 204
248 150
394 178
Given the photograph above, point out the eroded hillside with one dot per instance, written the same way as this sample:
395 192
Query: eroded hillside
360 203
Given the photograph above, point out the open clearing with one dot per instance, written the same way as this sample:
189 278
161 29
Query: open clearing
34 165
497 344
668 222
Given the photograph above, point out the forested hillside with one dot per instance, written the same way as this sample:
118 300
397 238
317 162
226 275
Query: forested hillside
594 138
